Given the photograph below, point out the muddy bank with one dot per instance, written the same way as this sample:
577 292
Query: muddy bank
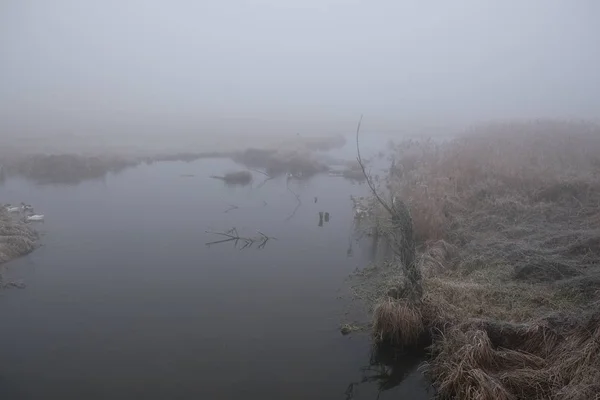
16 238
505 278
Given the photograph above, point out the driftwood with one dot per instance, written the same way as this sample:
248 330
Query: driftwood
298 203
231 208
232 235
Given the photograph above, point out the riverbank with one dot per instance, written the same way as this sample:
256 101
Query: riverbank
505 284
16 238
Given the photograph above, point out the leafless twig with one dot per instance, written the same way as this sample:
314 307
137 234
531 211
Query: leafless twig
298 203
269 177
261 172
232 235
231 207
265 181
367 176
402 235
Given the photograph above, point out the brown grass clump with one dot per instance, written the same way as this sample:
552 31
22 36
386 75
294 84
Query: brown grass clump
398 322
554 358
506 220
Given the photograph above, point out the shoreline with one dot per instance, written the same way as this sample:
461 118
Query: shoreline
505 282
296 155
16 238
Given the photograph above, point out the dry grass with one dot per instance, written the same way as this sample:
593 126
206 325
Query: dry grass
507 220
553 358
16 238
398 322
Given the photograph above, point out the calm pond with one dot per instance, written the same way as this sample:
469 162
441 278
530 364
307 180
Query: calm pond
125 299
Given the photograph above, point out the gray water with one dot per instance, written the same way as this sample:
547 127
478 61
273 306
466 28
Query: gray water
125 300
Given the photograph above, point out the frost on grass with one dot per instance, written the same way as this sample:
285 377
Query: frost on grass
506 222
16 238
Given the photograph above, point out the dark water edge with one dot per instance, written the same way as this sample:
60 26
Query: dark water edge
125 300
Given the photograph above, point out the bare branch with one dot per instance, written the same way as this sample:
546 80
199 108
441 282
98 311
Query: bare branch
261 172
294 193
247 242
265 181
231 207
298 204
221 241
224 234
368 176
266 237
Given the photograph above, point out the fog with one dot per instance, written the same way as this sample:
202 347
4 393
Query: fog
193 209
148 67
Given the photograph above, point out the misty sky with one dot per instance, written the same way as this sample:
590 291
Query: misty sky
234 65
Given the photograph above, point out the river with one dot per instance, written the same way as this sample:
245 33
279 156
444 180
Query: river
124 299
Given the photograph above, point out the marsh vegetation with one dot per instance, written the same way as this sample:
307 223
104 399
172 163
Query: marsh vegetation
506 278
16 237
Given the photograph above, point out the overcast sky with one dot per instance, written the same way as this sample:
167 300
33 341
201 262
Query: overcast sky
286 65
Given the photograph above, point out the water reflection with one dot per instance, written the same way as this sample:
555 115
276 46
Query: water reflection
379 249
389 368
168 302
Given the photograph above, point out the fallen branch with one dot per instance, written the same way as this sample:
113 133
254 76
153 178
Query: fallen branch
231 207
232 235
269 177
263 182
298 204
261 172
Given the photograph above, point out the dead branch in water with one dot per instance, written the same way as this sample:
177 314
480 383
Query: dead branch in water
260 172
299 203
268 177
265 181
232 235
231 208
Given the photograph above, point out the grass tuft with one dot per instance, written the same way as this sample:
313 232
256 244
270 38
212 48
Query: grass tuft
398 322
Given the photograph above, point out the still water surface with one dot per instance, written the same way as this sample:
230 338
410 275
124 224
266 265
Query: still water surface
124 299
